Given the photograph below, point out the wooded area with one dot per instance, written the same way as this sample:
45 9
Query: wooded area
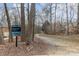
38 21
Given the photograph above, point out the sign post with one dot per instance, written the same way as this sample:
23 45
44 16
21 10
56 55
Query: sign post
16 41
16 31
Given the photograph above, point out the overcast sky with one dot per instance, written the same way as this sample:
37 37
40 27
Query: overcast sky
39 9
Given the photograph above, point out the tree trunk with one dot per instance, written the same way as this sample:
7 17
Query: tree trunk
23 37
55 19
1 34
51 18
28 20
31 20
67 26
78 20
9 23
61 26
71 17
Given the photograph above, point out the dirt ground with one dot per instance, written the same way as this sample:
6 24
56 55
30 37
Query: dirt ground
42 45
61 45
36 48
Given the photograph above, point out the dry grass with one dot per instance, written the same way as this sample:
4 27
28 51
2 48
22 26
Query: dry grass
38 47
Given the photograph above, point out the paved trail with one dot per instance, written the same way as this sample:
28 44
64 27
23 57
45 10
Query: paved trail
59 46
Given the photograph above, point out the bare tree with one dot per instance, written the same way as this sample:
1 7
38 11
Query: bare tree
33 8
31 21
51 16
71 15
23 37
27 19
1 31
17 8
1 34
62 23
67 26
55 19
9 23
28 22
28 11
78 20
61 18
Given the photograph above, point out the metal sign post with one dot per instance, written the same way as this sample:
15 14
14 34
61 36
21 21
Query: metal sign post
16 41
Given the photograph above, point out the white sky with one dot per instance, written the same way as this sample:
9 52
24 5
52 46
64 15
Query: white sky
40 6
